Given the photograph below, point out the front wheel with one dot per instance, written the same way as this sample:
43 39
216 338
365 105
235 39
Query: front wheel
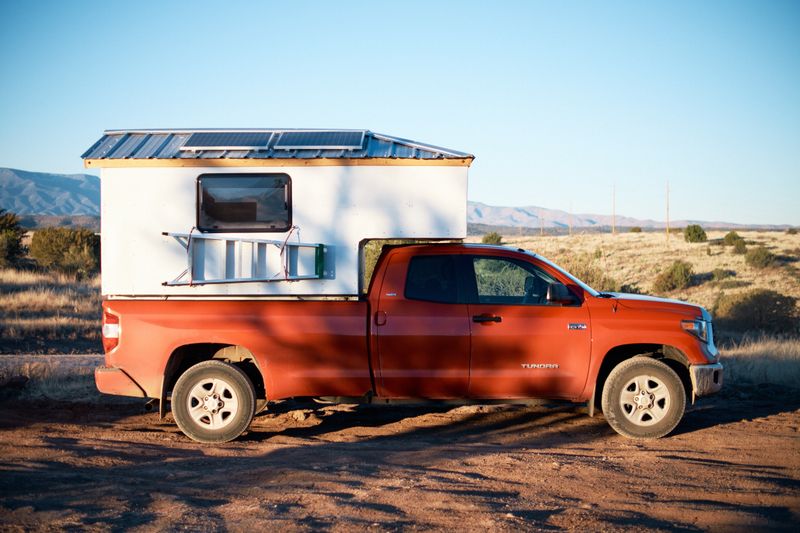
643 398
213 402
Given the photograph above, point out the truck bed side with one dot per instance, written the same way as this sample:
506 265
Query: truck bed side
303 348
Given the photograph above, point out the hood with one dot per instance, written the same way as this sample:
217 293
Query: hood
641 300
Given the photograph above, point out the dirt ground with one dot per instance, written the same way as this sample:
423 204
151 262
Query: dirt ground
732 465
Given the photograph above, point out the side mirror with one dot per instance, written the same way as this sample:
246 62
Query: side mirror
558 293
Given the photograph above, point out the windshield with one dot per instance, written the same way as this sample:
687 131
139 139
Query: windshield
578 282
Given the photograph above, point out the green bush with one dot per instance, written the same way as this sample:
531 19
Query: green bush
636 229
739 247
759 258
756 310
731 237
792 231
73 251
718 274
676 276
492 238
11 233
694 233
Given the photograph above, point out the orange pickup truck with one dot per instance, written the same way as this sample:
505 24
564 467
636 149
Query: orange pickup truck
439 321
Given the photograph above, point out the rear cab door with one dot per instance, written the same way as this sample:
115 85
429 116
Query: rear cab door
522 345
421 325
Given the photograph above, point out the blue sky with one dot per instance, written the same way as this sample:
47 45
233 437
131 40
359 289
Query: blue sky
559 101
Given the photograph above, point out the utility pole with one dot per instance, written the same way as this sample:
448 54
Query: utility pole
570 219
614 209
667 211
541 224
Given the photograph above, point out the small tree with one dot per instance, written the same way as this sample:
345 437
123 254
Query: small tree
739 247
73 251
730 238
694 233
636 229
11 233
492 238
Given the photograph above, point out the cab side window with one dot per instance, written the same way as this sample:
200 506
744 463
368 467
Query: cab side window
432 278
503 281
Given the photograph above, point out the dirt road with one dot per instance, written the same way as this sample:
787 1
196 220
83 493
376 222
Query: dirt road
733 465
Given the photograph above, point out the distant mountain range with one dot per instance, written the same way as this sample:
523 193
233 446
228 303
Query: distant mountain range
42 193
536 217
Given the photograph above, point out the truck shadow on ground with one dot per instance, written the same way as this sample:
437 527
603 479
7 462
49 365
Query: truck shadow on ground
354 465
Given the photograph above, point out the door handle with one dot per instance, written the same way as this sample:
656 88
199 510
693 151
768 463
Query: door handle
482 319
380 318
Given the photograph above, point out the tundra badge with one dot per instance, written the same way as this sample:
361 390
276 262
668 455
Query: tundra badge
576 325
539 365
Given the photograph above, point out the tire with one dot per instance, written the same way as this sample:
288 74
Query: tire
213 402
643 398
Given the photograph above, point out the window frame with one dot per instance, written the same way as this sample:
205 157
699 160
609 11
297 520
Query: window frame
199 201
473 298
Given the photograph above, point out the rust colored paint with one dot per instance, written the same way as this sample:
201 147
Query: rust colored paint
310 348
400 348
423 347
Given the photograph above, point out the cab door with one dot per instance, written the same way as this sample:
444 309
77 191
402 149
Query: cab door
523 346
422 329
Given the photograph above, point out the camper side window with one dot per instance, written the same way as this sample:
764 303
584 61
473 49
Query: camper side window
244 202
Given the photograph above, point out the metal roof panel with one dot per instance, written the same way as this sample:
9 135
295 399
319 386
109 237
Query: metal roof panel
171 144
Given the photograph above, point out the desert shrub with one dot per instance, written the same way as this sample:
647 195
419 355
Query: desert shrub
492 238
718 274
598 253
636 229
759 258
694 233
676 276
739 247
730 238
756 310
11 233
791 231
73 251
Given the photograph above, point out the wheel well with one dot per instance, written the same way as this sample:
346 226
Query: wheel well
189 355
669 355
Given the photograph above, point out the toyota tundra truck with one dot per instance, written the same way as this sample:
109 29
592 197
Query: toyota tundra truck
438 322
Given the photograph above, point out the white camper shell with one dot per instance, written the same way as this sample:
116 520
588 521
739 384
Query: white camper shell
232 213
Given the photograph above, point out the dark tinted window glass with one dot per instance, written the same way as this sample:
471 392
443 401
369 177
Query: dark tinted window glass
237 202
432 278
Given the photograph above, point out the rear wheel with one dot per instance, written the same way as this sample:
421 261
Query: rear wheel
643 398
213 402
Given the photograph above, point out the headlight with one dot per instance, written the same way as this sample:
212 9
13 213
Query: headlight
698 328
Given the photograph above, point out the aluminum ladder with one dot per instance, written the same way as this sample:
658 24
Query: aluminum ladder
216 259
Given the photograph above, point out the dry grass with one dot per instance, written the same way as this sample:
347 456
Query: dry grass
638 258
48 313
763 361
53 377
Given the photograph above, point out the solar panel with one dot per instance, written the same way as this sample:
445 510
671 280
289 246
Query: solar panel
321 140
228 140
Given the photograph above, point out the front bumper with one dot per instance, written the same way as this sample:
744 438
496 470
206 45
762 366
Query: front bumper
706 379
113 380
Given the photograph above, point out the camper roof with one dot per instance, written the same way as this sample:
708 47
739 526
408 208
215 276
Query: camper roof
275 144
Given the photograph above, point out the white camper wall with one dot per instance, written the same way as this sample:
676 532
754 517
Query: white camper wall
338 206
